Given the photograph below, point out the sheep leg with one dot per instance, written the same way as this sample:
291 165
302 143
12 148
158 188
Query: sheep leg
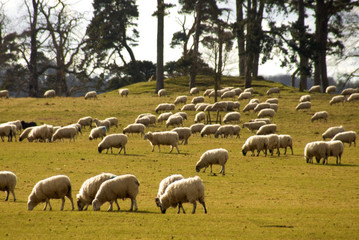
63 203
177 150
204 205
222 170
278 151
179 208
7 195
211 167
47 203
71 200
159 150
118 206
204 170
291 148
110 208
13 194
133 203
194 207
171 149
153 148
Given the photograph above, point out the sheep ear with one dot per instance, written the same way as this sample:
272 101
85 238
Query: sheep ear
158 203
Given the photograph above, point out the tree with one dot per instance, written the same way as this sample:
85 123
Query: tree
160 27
239 30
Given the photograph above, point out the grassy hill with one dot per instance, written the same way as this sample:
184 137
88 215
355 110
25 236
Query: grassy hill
259 197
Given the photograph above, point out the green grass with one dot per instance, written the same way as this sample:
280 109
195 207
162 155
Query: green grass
258 198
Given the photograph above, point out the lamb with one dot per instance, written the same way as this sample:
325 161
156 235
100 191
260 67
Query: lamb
164 116
164 107
188 107
196 128
182 191
317 149
98 132
331 89
346 137
320 115
91 94
228 94
113 140
25 125
50 93
267 129
224 131
183 134
337 99
305 98
201 116
100 123
245 95
315 88
85 121
180 100
332 131
273 142
336 149
353 97
4 94
174 120
162 92
284 142
166 182
194 90
231 117
123 92
43 132
303 105
7 183
55 187
124 186
267 112
135 128
256 142
198 99
273 90
163 138
90 188
25 133
209 129
210 157
272 100
65 132
113 121
261 106
249 106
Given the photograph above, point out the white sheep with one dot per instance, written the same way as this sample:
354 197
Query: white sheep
162 92
238 91
252 126
143 120
182 114
123 92
197 127
337 99
272 101
207 92
85 121
349 91
43 133
320 115
261 106
232 105
266 120
353 97
180 100
336 149
100 123
194 90
91 94
224 131
163 138
7 183
244 95
182 191
65 132
303 105
232 117
4 94
201 116
124 186
98 132
228 94
151 117
273 90
254 100
346 137
251 90
163 117
273 143
75 125
315 88
90 188
305 98
164 107
25 133
183 134
188 107
50 93
166 182
267 112
134 128
198 99
285 141
113 140
18 125
331 89
317 149
174 119
209 129
267 129
256 142
201 106
332 131
249 106
274 106
7 130
220 106
55 187
213 156
113 121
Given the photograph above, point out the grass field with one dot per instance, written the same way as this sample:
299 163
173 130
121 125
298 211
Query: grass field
259 197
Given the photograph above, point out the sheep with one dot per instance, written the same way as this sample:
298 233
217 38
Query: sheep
196 128
182 191
200 106
208 107
254 100
7 183
284 142
134 128
315 88
209 129
320 115
198 99
251 90
331 89
65 132
75 125
182 114
232 105
100 123
123 92
317 149
124 186
163 138
43 132
353 97
273 90
180 100
150 116
274 106
50 93
337 99
267 112
201 116
267 129
219 106
194 90
228 94
118 140
91 94
253 125
305 98
98 132
332 131
166 182
113 121
4 94
210 157
273 142
336 149
249 106
226 130
183 134
85 121
188 107
232 117
207 92
89 189
164 116
143 120
346 137
303 105
25 133
348 91
25 125
244 95
266 120
256 142
174 120
164 107
162 92
7 130
272 101
261 106
55 187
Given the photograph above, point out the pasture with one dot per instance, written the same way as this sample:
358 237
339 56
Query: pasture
259 197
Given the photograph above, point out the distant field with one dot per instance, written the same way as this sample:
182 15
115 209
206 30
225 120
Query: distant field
259 197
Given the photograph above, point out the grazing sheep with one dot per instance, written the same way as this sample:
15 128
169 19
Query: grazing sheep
251 90
252 126
43 133
303 105
320 115
113 140
207 92
245 95
135 128
266 120
163 138
4 94
65 132
198 99
162 92
232 117
254 100
183 134
123 92
353 97
267 129
305 98
188 107
348 91
163 117
232 105
273 142
317 149
85 121
267 112
25 133
256 142
194 90
238 91
7 183
25 125
249 106
166 182
90 188
201 116
196 128
164 107
331 89
182 114
91 94
337 99
346 137
143 120
208 107
219 106
75 125
150 116
200 106
315 88
100 123
55 187
124 186
336 149
237 130
224 131
182 191
274 106
180 100
261 106
174 120
210 157
272 101
273 90
284 142
209 129
7 130
228 94
50 93
98 132
332 131
113 121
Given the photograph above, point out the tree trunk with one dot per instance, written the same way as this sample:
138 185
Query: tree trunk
33 81
160 27
303 62
240 37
